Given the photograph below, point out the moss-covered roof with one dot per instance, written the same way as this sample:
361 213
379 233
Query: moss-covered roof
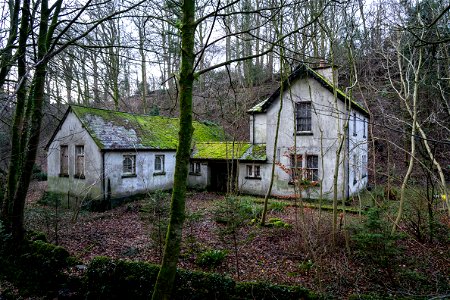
300 71
229 150
121 130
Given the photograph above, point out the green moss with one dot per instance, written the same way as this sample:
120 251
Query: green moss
258 107
153 132
220 150
114 279
257 152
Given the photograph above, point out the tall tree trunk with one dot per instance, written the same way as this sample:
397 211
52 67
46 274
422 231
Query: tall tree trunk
166 276
17 129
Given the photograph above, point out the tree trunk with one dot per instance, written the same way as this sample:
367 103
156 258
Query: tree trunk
166 276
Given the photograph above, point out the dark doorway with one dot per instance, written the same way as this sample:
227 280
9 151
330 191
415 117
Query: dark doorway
220 176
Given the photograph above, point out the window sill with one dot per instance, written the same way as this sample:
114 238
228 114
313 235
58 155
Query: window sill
308 184
63 175
79 176
159 173
304 133
195 174
129 175
253 178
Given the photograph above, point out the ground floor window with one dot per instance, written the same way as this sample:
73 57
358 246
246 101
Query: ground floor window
129 165
79 161
194 168
304 167
64 160
159 164
296 167
312 168
253 171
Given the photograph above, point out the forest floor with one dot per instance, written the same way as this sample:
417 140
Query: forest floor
296 254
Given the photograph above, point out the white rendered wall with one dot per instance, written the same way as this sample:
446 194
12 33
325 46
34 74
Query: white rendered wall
72 134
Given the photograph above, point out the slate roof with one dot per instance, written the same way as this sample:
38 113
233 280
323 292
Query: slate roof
114 130
302 71
229 150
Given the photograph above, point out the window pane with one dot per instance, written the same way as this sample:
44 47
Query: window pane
312 168
296 166
79 160
249 171
129 164
257 171
159 163
197 167
303 116
64 160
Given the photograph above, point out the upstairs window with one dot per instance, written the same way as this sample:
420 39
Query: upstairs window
64 161
194 168
129 165
354 124
312 168
159 163
303 116
79 161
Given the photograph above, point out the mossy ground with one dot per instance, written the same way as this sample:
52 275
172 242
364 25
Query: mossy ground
276 254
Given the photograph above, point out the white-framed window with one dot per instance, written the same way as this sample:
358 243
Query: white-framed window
159 163
296 166
364 128
194 167
253 171
303 116
355 168
312 168
129 165
364 166
64 161
79 161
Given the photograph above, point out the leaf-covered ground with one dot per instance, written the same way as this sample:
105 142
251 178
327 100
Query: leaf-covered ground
299 254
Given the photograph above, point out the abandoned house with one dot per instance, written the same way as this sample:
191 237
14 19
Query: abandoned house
100 153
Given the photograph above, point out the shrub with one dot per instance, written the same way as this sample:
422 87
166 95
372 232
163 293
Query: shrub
373 241
211 258
5 237
278 223
277 206
115 279
156 211
37 268
38 174
109 279
256 290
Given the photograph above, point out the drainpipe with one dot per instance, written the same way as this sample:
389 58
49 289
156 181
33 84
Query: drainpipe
103 175
253 128
348 162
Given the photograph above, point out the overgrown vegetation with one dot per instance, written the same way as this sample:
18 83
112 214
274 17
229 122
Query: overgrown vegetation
293 249
156 211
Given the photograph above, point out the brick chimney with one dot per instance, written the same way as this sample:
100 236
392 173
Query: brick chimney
327 70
